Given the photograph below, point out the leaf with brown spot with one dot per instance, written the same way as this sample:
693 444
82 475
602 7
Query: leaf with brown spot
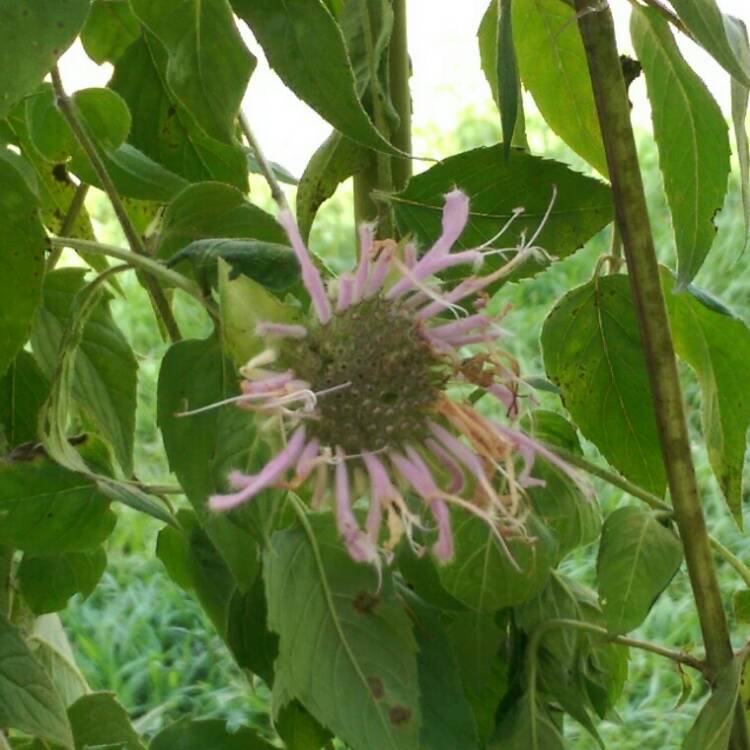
357 675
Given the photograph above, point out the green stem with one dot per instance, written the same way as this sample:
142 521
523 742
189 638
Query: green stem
76 204
142 262
741 569
613 108
610 477
378 174
651 500
615 249
265 168
680 657
400 72
156 293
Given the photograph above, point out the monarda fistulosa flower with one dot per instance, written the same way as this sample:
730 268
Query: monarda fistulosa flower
363 391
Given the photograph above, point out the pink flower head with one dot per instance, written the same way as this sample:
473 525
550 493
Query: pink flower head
362 386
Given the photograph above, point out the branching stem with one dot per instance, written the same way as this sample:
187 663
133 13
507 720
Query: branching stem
158 298
140 262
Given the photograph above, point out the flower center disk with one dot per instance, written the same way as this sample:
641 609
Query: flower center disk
393 372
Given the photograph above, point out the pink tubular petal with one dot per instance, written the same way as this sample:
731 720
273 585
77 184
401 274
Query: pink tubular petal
267 384
359 546
379 272
419 476
382 491
443 547
424 485
306 461
455 216
346 283
310 274
447 462
410 255
531 448
281 329
269 474
464 454
464 289
506 397
366 237
478 320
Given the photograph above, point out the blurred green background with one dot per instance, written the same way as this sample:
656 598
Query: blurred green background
142 637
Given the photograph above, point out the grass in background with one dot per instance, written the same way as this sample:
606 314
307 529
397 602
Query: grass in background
142 637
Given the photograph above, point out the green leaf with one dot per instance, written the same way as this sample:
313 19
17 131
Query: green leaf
447 719
488 38
717 347
298 730
337 159
496 187
253 645
366 26
28 701
209 210
709 27
33 35
478 643
527 726
111 27
133 173
193 562
483 577
55 188
592 353
23 390
560 503
50 647
99 720
209 66
104 373
553 68
194 374
507 76
713 726
244 303
162 127
294 32
22 246
557 601
46 127
46 508
48 581
105 114
740 95
691 136
273 266
638 557
338 627
207 734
